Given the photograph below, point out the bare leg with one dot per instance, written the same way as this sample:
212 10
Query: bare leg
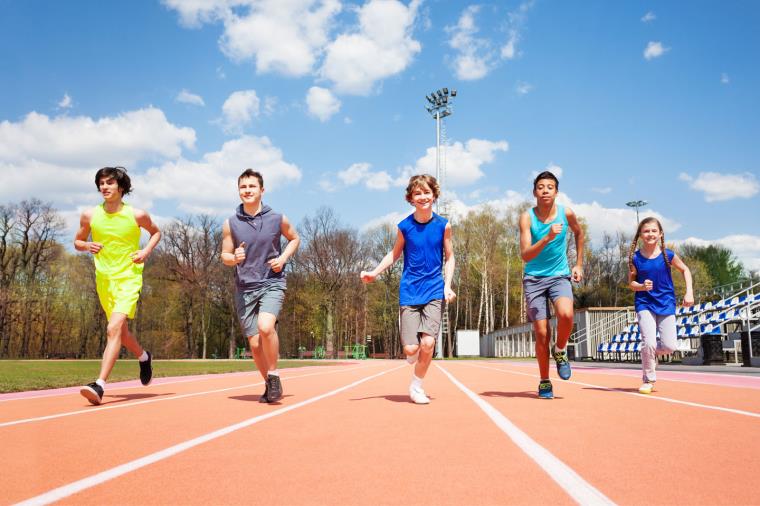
427 346
541 329
257 353
563 309
129 341
114 332
269 339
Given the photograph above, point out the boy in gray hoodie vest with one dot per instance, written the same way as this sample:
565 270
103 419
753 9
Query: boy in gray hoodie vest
251 244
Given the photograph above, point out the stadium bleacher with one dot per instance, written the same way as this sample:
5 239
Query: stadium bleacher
704 319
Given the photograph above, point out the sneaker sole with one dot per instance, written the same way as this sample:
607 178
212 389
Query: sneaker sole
91 395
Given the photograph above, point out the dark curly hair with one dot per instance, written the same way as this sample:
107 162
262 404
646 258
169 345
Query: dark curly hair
119 174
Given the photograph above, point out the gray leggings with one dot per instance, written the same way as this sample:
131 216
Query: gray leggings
651 346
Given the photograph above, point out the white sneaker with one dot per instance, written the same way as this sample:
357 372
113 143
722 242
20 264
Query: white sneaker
646 388
413 358
418 396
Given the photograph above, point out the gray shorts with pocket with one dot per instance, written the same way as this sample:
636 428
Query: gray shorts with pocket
249 303
540 292
420 319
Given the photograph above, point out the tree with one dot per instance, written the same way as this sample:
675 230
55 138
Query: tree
724 268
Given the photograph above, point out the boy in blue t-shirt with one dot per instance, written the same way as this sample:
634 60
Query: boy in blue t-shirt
543 247
425 238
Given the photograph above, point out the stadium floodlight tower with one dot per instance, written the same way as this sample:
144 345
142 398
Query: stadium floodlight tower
439 106
637 204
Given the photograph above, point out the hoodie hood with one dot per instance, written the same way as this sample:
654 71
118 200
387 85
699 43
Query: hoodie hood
247 217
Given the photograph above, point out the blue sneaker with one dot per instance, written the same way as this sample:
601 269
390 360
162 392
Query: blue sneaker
563 365
545 390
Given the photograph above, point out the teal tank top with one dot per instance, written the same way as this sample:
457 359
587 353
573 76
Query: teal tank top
552 261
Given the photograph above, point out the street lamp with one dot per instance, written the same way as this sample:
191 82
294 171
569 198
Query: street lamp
439 106
637 204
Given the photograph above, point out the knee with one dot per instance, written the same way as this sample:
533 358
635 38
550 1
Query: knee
410 349
113 331
266 329
427 343
565 317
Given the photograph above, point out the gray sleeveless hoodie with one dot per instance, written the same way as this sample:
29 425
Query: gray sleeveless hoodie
261 234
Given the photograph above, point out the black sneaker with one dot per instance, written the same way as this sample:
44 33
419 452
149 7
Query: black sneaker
274 388
146 370
92 392
263 397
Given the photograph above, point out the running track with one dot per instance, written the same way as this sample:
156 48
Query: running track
347 434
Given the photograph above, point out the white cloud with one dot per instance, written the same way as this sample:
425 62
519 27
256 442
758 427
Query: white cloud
361 173
388 219
82 141
270 105
516 23
718 187
322 103
185 97
239 108
65 102
474 57
280 36
463 161
602 190
655 50
381 46
354 174
214 175
746 247
648 17
523 88
724 79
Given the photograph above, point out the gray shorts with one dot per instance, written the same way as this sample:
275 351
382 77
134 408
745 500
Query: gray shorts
250 303
420 319
541 291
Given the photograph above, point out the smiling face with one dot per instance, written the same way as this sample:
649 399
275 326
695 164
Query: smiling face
250 190
650 232
109 188
422 197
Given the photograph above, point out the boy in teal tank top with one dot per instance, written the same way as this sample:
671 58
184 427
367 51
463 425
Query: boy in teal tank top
115 246
543 247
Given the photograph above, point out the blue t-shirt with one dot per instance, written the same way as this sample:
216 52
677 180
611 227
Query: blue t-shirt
552 260
422 279
661 299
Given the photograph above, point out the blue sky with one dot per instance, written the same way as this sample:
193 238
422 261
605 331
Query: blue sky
626 100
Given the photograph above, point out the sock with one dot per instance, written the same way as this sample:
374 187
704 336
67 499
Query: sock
416 382
273 373
101 383
557 349
143 357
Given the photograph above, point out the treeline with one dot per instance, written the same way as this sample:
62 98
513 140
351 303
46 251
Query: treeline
49 306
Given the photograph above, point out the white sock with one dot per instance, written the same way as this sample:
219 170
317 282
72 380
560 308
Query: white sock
101 383
143 357
416 382
558 349
273 373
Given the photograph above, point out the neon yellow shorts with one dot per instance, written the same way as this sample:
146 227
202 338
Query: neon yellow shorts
119 295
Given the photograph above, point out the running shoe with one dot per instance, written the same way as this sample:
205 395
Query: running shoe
563 364
545 390
92 392
274 388
146 370
418 396
263 397
646 388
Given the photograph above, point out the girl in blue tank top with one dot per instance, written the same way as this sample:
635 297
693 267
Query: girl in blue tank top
655 299
424 238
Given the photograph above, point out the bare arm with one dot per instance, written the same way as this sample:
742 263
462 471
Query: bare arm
290 233
530 251
572 222
688 298
83 233
448 266
387 260
144 220
231 255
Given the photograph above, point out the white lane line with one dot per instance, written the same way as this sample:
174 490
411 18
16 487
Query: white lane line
635 394
571 482
97 479
94 409
64 391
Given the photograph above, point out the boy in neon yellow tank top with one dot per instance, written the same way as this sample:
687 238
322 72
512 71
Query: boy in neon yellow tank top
543 247
115 246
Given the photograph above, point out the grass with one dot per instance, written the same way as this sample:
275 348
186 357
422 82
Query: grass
24 375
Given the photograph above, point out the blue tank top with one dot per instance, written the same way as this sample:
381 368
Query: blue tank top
422 279
261 234
661 299
552 260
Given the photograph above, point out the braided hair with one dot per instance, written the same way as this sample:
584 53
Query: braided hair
635 242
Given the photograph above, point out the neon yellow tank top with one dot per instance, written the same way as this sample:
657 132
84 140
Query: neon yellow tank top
120 236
